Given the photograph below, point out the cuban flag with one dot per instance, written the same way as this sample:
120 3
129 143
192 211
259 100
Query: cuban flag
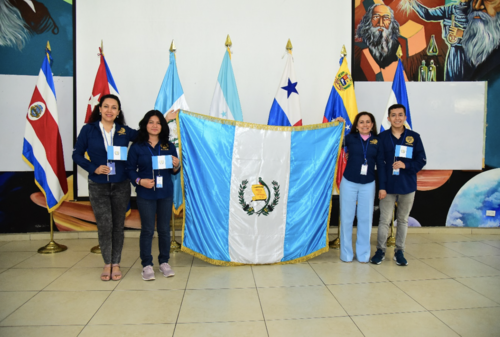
226 102
249 189
398 95
42 148
342 103
171 97
285 110
103 85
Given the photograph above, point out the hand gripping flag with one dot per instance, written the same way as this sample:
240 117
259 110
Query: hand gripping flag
398 95
285 110
226 102
342 103
171 97
42 149
256 194
103 85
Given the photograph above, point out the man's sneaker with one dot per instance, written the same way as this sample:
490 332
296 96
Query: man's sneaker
148 274
400 258
166 270
378 257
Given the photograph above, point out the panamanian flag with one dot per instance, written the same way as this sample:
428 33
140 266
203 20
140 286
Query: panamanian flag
103 85
226 102
42 148
171 97
398 95
285 110
249 189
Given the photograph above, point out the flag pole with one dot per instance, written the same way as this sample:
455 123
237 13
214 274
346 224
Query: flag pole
52 247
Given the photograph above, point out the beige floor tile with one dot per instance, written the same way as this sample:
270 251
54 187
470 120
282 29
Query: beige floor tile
336 326
230 329
461 267
128 259
487 286
133 244
58 308
443 294
430 250
373 298
445 237
480 237
416 270
416 238
133 280
79 245
140 307
179 259
78 279
472 322
222 277
299 302
2 270
11 301
473 248
492 261
149 330
65 259
220 305
10 259
3 243
494 243
23 246
200 263
333 255
285 275
36 331
415 324
343 273
28 279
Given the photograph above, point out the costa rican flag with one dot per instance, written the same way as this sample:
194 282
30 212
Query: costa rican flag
104 84
42 149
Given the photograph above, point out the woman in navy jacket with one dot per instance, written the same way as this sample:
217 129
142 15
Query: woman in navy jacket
149 170
357 189
109 187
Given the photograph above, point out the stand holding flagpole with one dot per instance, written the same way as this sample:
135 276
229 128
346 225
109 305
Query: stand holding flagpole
52 247
335 243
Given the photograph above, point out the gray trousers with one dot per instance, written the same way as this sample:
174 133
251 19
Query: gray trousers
109 202
405 203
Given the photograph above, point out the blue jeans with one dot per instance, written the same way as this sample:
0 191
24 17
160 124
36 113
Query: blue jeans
148 209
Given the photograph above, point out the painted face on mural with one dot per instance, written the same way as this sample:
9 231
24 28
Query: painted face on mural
482 35
381 18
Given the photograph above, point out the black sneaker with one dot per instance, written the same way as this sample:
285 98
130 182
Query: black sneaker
400 258
378 257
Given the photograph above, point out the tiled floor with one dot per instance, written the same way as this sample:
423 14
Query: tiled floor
450 288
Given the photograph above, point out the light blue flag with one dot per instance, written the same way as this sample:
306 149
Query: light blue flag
256 194
398 95
171 97
226 102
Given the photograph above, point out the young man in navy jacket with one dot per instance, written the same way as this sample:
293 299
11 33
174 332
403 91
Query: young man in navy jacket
404 157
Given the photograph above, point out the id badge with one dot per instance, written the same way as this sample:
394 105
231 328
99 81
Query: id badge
395 172
112 169
364 169
159 182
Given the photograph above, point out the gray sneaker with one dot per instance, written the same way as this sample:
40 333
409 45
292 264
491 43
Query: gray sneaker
166 270
148 274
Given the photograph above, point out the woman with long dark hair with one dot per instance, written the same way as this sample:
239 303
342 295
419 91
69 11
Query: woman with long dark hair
105 139
151 162
357 188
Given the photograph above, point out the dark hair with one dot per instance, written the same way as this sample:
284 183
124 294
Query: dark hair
396 106
143 135
96 114
356 120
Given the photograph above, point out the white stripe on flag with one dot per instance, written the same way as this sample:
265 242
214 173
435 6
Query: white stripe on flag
219 107
180 103
48 95
258 153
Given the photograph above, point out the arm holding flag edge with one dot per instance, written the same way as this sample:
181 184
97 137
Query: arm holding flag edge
337 164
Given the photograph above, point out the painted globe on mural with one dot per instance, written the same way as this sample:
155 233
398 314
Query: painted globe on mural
477 204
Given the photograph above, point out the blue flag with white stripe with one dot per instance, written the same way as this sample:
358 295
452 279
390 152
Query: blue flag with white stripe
256 194
398 95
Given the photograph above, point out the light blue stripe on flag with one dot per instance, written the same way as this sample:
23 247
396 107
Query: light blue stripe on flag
206 145
228 85
309 195
171 88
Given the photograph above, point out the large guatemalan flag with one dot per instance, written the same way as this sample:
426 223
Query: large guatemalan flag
104 84
398 95
42 149
226 102
256 194
285 110
171 97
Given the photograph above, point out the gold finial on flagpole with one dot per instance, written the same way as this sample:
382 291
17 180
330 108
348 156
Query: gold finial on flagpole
399 53
102 48
343 52
48 46
289 46
173 48
228 43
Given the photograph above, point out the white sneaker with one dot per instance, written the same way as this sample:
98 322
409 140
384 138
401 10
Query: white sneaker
166 270
148 274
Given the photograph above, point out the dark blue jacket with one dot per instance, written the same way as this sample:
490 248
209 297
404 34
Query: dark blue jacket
406 181
90 140
356 158
140 165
